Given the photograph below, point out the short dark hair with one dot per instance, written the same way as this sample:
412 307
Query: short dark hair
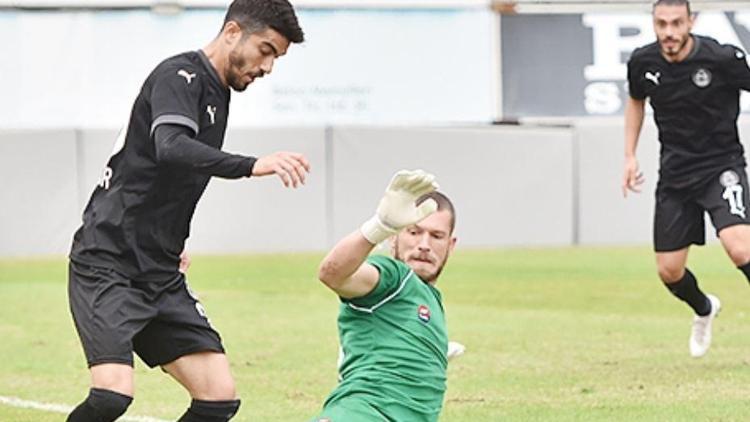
257 15
673 3
443 203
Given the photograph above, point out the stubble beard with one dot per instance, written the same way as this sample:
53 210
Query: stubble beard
234 78
676 52
431 278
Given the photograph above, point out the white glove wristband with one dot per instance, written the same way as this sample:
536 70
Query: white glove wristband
375 231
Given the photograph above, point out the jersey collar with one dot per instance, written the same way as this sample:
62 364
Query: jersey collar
211 69
696 46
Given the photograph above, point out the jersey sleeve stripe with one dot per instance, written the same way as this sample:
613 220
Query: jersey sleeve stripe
385 299
174 119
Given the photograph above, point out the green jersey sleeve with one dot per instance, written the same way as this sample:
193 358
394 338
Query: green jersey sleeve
393 273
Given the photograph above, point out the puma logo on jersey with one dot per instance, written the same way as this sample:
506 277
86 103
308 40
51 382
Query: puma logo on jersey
653 77
211 110
188 76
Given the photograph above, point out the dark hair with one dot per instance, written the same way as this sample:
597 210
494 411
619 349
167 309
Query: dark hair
257 15
672 3
443 203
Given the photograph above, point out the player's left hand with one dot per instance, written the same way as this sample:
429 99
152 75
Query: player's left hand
291 167
184 262
632 177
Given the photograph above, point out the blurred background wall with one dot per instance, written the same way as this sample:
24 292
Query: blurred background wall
515 106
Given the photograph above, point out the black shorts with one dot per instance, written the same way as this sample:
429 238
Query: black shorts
679 214
115 316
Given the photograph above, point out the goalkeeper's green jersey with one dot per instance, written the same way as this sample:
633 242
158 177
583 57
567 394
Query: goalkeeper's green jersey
394 344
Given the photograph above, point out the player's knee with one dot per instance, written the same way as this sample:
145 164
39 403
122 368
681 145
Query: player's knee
225 391
740 255
670 274
222 390
101 405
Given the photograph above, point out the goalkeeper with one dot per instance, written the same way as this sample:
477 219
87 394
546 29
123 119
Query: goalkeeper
391 321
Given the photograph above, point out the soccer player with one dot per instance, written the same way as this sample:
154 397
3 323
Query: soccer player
126 291
391 320
693 84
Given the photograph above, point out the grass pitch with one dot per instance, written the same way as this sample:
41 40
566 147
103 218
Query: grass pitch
574 334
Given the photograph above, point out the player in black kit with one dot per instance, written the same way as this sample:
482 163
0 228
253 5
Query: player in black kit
693 84
125 288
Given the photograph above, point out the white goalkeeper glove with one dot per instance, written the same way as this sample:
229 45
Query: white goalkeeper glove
398 208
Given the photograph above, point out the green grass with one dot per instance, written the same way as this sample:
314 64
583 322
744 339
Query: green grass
574 334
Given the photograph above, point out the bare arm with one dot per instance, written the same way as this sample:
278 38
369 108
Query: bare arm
632 177
344 269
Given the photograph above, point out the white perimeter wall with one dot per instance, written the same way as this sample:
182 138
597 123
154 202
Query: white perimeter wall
512 185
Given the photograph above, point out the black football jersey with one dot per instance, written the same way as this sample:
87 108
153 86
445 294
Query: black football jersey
138 217
696 105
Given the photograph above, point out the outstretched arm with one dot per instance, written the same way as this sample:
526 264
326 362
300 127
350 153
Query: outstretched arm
175 145
344 269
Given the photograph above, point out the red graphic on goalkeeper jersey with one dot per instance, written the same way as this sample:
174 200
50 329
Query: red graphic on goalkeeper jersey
423 313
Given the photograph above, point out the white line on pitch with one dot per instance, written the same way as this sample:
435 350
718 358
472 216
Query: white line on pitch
62 408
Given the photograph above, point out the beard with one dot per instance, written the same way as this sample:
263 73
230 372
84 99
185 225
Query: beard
234 77
427 278
675 50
